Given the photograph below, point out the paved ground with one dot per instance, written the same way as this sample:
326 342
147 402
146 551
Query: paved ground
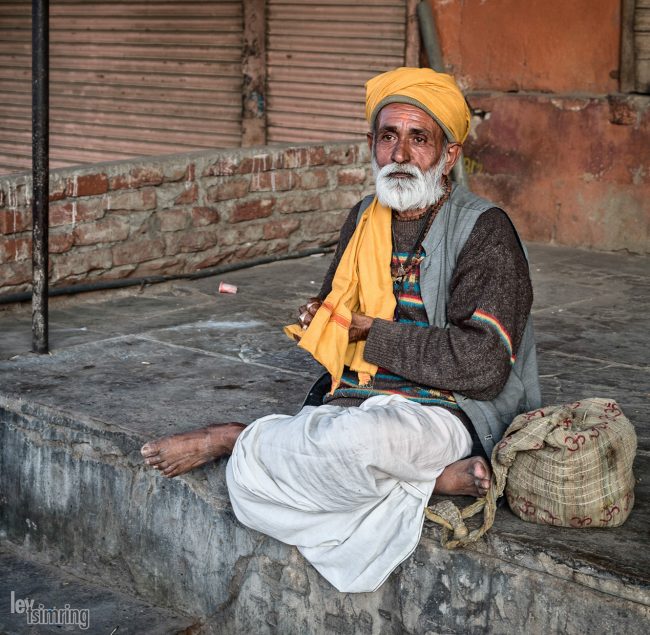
172 356
591 317
71 605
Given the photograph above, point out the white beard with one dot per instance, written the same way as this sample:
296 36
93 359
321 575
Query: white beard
420 191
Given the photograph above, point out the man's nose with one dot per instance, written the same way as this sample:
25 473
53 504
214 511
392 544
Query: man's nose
401 152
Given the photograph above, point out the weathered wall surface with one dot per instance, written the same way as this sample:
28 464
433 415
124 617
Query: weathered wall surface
570 171
182 213
553 140
551 46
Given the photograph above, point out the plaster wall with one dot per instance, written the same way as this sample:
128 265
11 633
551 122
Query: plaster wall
552 139
551 46
569 171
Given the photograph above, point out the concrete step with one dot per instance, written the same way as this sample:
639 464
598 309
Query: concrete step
76 494
41 599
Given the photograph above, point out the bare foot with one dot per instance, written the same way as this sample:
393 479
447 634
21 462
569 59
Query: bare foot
467 477
180 453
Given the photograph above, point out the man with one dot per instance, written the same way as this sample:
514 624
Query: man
423 324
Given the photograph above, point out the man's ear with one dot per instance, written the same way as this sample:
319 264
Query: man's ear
454 152
370 138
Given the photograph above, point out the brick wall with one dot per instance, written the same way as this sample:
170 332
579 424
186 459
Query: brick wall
182 213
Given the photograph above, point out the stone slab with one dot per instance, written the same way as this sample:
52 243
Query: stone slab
90 505
147 387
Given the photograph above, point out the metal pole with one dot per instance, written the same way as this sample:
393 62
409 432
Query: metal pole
40 173
434 54
430 36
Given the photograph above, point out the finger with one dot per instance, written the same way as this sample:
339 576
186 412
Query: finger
311 305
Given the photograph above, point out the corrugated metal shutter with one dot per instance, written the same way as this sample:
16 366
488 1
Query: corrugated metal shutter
642 46
320 54
127 79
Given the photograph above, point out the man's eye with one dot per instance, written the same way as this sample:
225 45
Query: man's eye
387 137
420 139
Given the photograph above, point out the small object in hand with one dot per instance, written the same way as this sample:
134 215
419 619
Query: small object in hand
224 287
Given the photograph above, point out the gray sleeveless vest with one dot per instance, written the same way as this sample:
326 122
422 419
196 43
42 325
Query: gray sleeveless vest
442 244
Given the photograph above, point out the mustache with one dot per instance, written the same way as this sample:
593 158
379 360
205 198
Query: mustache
396 168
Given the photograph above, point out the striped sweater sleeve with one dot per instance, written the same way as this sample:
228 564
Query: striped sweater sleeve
490 300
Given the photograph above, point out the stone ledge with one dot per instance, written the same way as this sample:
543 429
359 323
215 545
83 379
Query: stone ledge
76 493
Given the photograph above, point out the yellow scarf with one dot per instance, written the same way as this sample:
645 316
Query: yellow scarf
362 284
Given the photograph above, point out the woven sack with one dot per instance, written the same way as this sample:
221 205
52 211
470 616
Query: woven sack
567 466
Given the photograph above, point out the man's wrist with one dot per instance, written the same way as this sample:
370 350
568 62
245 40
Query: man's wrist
373 347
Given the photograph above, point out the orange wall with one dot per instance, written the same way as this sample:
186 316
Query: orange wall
571 171
535 45
552 142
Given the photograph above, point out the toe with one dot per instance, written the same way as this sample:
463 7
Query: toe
170 471
479 469
149 449
481 473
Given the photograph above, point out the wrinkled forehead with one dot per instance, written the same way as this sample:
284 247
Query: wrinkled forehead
393 102
412 117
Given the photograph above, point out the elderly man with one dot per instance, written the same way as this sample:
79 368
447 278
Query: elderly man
423 325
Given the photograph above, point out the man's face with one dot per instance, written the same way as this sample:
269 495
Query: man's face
410 157
406 134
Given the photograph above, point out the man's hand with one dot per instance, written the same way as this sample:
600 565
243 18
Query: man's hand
307 311
359 328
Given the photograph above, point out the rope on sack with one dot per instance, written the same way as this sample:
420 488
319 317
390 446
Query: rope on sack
454 530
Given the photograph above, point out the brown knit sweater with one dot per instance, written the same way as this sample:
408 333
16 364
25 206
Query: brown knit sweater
490 300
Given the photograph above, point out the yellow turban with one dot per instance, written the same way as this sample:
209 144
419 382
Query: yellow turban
435 93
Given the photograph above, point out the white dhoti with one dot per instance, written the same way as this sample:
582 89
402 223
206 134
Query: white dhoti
347 486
